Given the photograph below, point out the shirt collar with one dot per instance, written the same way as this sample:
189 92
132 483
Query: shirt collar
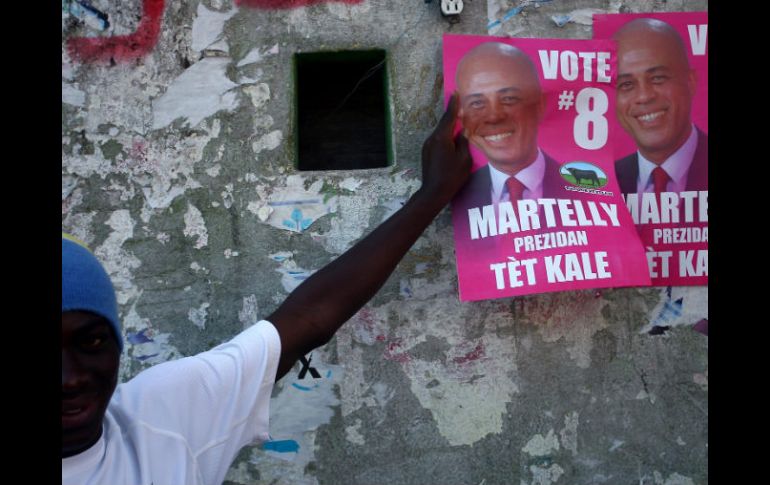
531 176
676 166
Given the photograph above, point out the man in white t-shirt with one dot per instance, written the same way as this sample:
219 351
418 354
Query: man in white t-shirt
183 422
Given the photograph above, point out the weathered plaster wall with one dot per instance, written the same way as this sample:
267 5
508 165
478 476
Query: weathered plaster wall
177 169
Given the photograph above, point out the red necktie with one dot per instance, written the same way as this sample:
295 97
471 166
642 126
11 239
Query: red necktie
659 179
515 188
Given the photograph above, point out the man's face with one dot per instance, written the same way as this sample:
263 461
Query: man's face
654 93
501 107
89 360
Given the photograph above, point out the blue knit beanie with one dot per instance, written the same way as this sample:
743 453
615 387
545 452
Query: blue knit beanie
85 284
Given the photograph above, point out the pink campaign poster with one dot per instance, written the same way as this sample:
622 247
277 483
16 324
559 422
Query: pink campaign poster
541 212
660 136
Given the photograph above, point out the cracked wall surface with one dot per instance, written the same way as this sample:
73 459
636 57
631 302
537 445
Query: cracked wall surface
178 171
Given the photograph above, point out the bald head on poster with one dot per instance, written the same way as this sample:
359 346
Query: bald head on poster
501 107
655 90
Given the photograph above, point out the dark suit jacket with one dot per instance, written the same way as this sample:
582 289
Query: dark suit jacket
627 168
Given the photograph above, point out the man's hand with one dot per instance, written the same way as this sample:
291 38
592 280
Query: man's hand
446 163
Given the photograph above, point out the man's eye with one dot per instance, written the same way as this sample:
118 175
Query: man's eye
476 104
659 79
93 342
510 99
625 86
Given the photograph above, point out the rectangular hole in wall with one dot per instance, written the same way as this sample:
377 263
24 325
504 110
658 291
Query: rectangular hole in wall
342 115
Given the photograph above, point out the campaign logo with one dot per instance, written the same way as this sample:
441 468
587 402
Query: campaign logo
583 174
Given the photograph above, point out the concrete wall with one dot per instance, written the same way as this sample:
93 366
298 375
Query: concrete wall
178 170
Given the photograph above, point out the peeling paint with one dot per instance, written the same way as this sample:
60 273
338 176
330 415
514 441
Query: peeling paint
540 445
213 171
347 228
198 315
460 383
257 55
569 433
353 433
207 27
259 94
248 315
72 95
673 479
118 262
546 476
270 141
573 316
200 91
195 226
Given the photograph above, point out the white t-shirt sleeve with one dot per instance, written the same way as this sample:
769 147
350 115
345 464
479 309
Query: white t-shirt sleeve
217 400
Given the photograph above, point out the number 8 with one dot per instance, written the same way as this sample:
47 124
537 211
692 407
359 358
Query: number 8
588 115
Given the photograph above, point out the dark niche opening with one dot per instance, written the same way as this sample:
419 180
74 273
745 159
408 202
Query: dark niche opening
342 116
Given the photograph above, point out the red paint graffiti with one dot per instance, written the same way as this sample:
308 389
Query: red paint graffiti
392 352
474 354
285 4
121 48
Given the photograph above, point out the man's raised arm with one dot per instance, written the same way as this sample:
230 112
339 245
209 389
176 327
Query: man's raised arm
315 310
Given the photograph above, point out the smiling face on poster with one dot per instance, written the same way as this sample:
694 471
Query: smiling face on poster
661 150
541 211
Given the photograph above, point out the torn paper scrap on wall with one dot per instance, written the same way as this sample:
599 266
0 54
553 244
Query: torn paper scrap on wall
207 29
200 91
292 275
256 55
298 408
295 208
195 226
678 305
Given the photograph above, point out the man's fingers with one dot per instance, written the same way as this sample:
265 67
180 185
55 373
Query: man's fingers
447 122
461 145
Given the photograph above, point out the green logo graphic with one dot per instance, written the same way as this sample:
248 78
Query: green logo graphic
583 174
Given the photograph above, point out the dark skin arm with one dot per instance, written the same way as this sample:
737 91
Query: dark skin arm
314 311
